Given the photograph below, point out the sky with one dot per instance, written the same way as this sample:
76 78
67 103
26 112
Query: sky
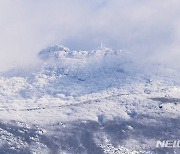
149 29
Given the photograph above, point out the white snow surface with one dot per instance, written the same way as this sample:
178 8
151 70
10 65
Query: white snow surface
100 101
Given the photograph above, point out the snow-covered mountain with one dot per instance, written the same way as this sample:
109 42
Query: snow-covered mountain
100 101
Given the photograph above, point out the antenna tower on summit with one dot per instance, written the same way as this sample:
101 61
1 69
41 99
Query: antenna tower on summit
102 45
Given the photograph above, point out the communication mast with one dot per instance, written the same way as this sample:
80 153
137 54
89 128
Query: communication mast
102 45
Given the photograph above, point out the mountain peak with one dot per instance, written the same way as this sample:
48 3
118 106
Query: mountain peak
53 51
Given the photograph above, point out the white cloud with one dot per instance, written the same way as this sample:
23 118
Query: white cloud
149 28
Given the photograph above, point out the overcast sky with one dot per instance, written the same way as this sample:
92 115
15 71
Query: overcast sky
149 28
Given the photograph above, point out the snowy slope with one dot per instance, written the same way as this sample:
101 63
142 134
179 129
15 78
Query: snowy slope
101 101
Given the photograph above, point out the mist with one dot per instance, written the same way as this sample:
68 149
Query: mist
149 29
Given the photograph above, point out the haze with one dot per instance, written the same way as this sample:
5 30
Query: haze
149 29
